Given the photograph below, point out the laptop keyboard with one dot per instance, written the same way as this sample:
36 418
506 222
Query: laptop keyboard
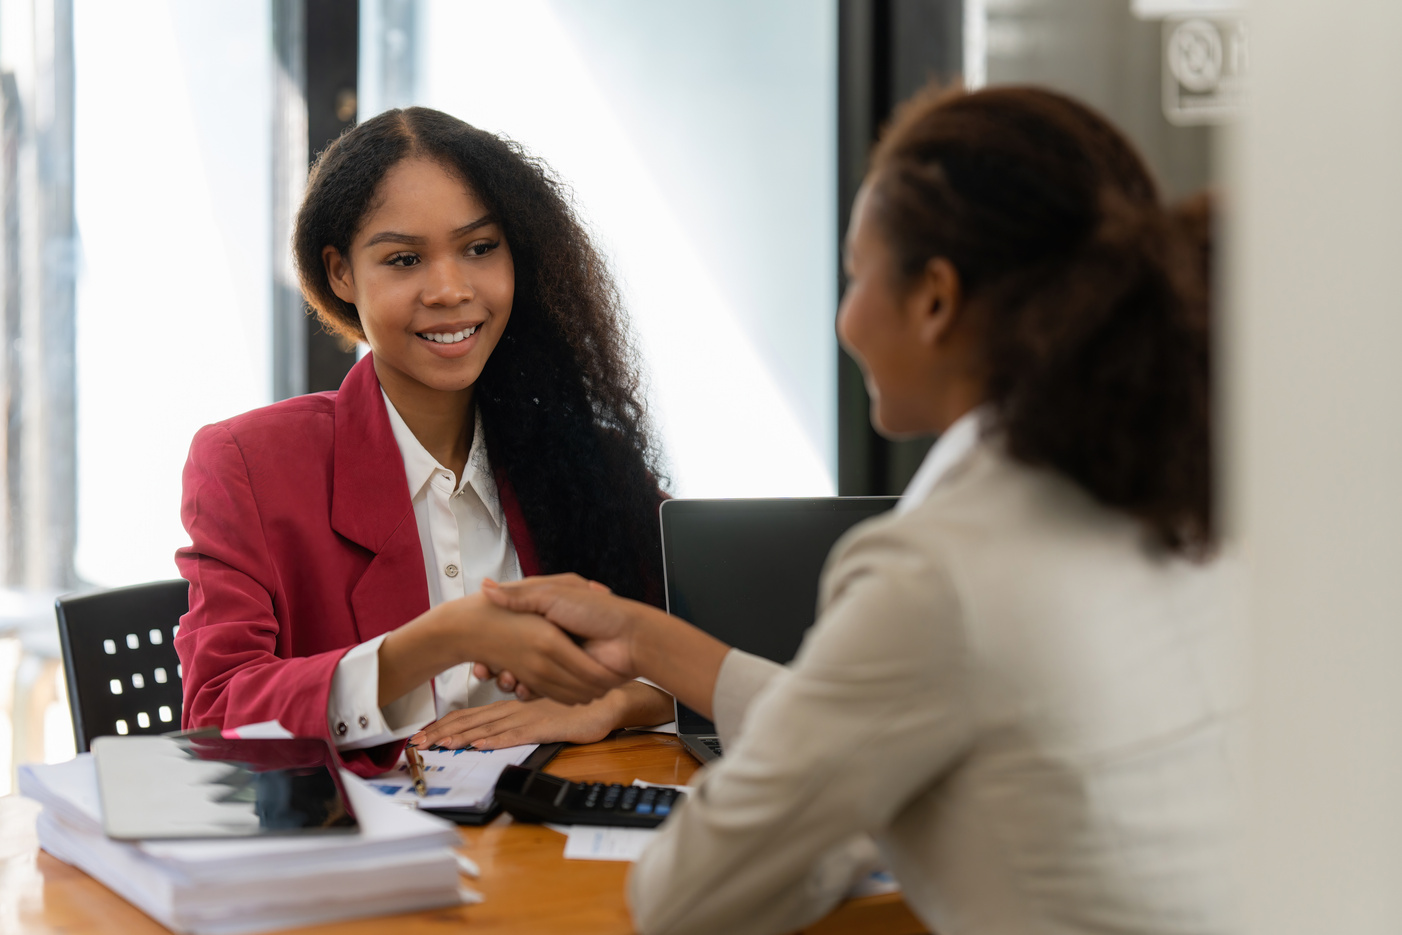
713 743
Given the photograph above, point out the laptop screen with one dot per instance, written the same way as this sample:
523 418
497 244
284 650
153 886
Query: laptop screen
746 571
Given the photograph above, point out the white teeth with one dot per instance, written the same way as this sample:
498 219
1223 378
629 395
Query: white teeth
453 338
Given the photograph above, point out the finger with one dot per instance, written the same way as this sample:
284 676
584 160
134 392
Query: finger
510 738
524 693
565 690
600 586
463 720
567 579
506 681
435 732
481 671
531 596
520 715
549 663
524 730
593 677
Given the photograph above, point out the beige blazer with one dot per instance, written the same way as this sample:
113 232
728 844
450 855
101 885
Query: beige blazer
1023 704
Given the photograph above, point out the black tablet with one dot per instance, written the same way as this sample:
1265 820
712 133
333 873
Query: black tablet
203 785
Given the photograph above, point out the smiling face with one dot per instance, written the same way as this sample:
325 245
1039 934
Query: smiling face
431 276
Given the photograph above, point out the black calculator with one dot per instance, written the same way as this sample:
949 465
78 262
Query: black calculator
530 795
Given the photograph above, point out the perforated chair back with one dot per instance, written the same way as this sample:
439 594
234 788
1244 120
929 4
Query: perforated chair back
119 659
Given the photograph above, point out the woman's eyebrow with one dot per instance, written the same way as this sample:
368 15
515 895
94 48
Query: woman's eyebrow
397 237
468 228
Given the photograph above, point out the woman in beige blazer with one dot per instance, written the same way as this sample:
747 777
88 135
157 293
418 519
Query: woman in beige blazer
1019 681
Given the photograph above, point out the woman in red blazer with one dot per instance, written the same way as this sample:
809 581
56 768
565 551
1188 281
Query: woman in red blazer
487 310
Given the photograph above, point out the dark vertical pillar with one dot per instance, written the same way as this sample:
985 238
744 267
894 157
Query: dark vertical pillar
887 50
317 53
289 175
863 101
333 50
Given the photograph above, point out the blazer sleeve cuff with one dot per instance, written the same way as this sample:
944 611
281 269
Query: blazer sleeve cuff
353 715
742 676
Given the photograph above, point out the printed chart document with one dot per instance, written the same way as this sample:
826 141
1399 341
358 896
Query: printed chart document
455 778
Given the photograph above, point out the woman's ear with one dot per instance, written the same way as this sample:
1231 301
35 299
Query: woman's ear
936 302
338 272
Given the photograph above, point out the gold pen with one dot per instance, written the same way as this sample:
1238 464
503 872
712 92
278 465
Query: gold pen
416 770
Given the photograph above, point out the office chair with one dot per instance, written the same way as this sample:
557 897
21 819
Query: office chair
119 659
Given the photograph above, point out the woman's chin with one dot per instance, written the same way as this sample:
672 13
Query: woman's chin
899 426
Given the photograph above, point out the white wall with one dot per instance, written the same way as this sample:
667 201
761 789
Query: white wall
1315 430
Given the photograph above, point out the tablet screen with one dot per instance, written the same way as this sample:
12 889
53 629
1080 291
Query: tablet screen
203 785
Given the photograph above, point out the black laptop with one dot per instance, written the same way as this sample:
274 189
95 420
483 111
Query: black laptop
746 571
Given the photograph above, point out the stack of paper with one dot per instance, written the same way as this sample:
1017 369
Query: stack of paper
401 861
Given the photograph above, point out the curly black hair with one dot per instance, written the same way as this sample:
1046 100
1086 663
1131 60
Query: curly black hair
560 396
1089 295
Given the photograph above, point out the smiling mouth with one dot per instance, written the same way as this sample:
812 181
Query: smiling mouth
448 337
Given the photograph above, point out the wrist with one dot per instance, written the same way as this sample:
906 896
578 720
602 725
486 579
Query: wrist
416 651
648 643
637 704
463 632
677 656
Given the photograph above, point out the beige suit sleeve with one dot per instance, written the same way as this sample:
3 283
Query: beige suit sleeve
870 713
742 676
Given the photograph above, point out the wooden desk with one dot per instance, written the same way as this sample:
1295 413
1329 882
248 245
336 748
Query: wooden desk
529 886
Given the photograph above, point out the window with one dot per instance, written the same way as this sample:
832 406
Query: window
698 139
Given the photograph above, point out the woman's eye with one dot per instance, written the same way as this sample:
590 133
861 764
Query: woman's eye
482 247
403 259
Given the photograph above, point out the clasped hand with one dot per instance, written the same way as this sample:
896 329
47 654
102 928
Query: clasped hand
601 622
570 602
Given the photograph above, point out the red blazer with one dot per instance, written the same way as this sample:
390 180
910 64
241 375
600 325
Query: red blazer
303 544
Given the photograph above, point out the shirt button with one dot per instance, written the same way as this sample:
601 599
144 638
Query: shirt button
364 721
341 729
450 570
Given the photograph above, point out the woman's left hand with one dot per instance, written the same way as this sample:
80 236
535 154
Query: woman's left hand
510 723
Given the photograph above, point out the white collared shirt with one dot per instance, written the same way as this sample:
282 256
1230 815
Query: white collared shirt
952 447
465 538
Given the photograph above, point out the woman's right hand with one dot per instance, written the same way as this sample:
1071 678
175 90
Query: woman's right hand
473 628
540 656
584 608
630 638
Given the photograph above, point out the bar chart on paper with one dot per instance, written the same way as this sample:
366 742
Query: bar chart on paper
455 778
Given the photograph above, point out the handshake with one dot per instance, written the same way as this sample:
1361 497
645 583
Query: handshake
556 637
574 643
572 640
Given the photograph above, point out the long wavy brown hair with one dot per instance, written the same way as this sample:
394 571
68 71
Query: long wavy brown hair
1090 296
560 396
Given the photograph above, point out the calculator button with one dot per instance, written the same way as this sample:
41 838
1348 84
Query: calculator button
662 809
644 808
630 798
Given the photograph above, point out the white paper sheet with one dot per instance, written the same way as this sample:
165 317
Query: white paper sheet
455 778
591 842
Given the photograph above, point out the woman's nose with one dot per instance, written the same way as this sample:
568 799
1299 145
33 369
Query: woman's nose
447 285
